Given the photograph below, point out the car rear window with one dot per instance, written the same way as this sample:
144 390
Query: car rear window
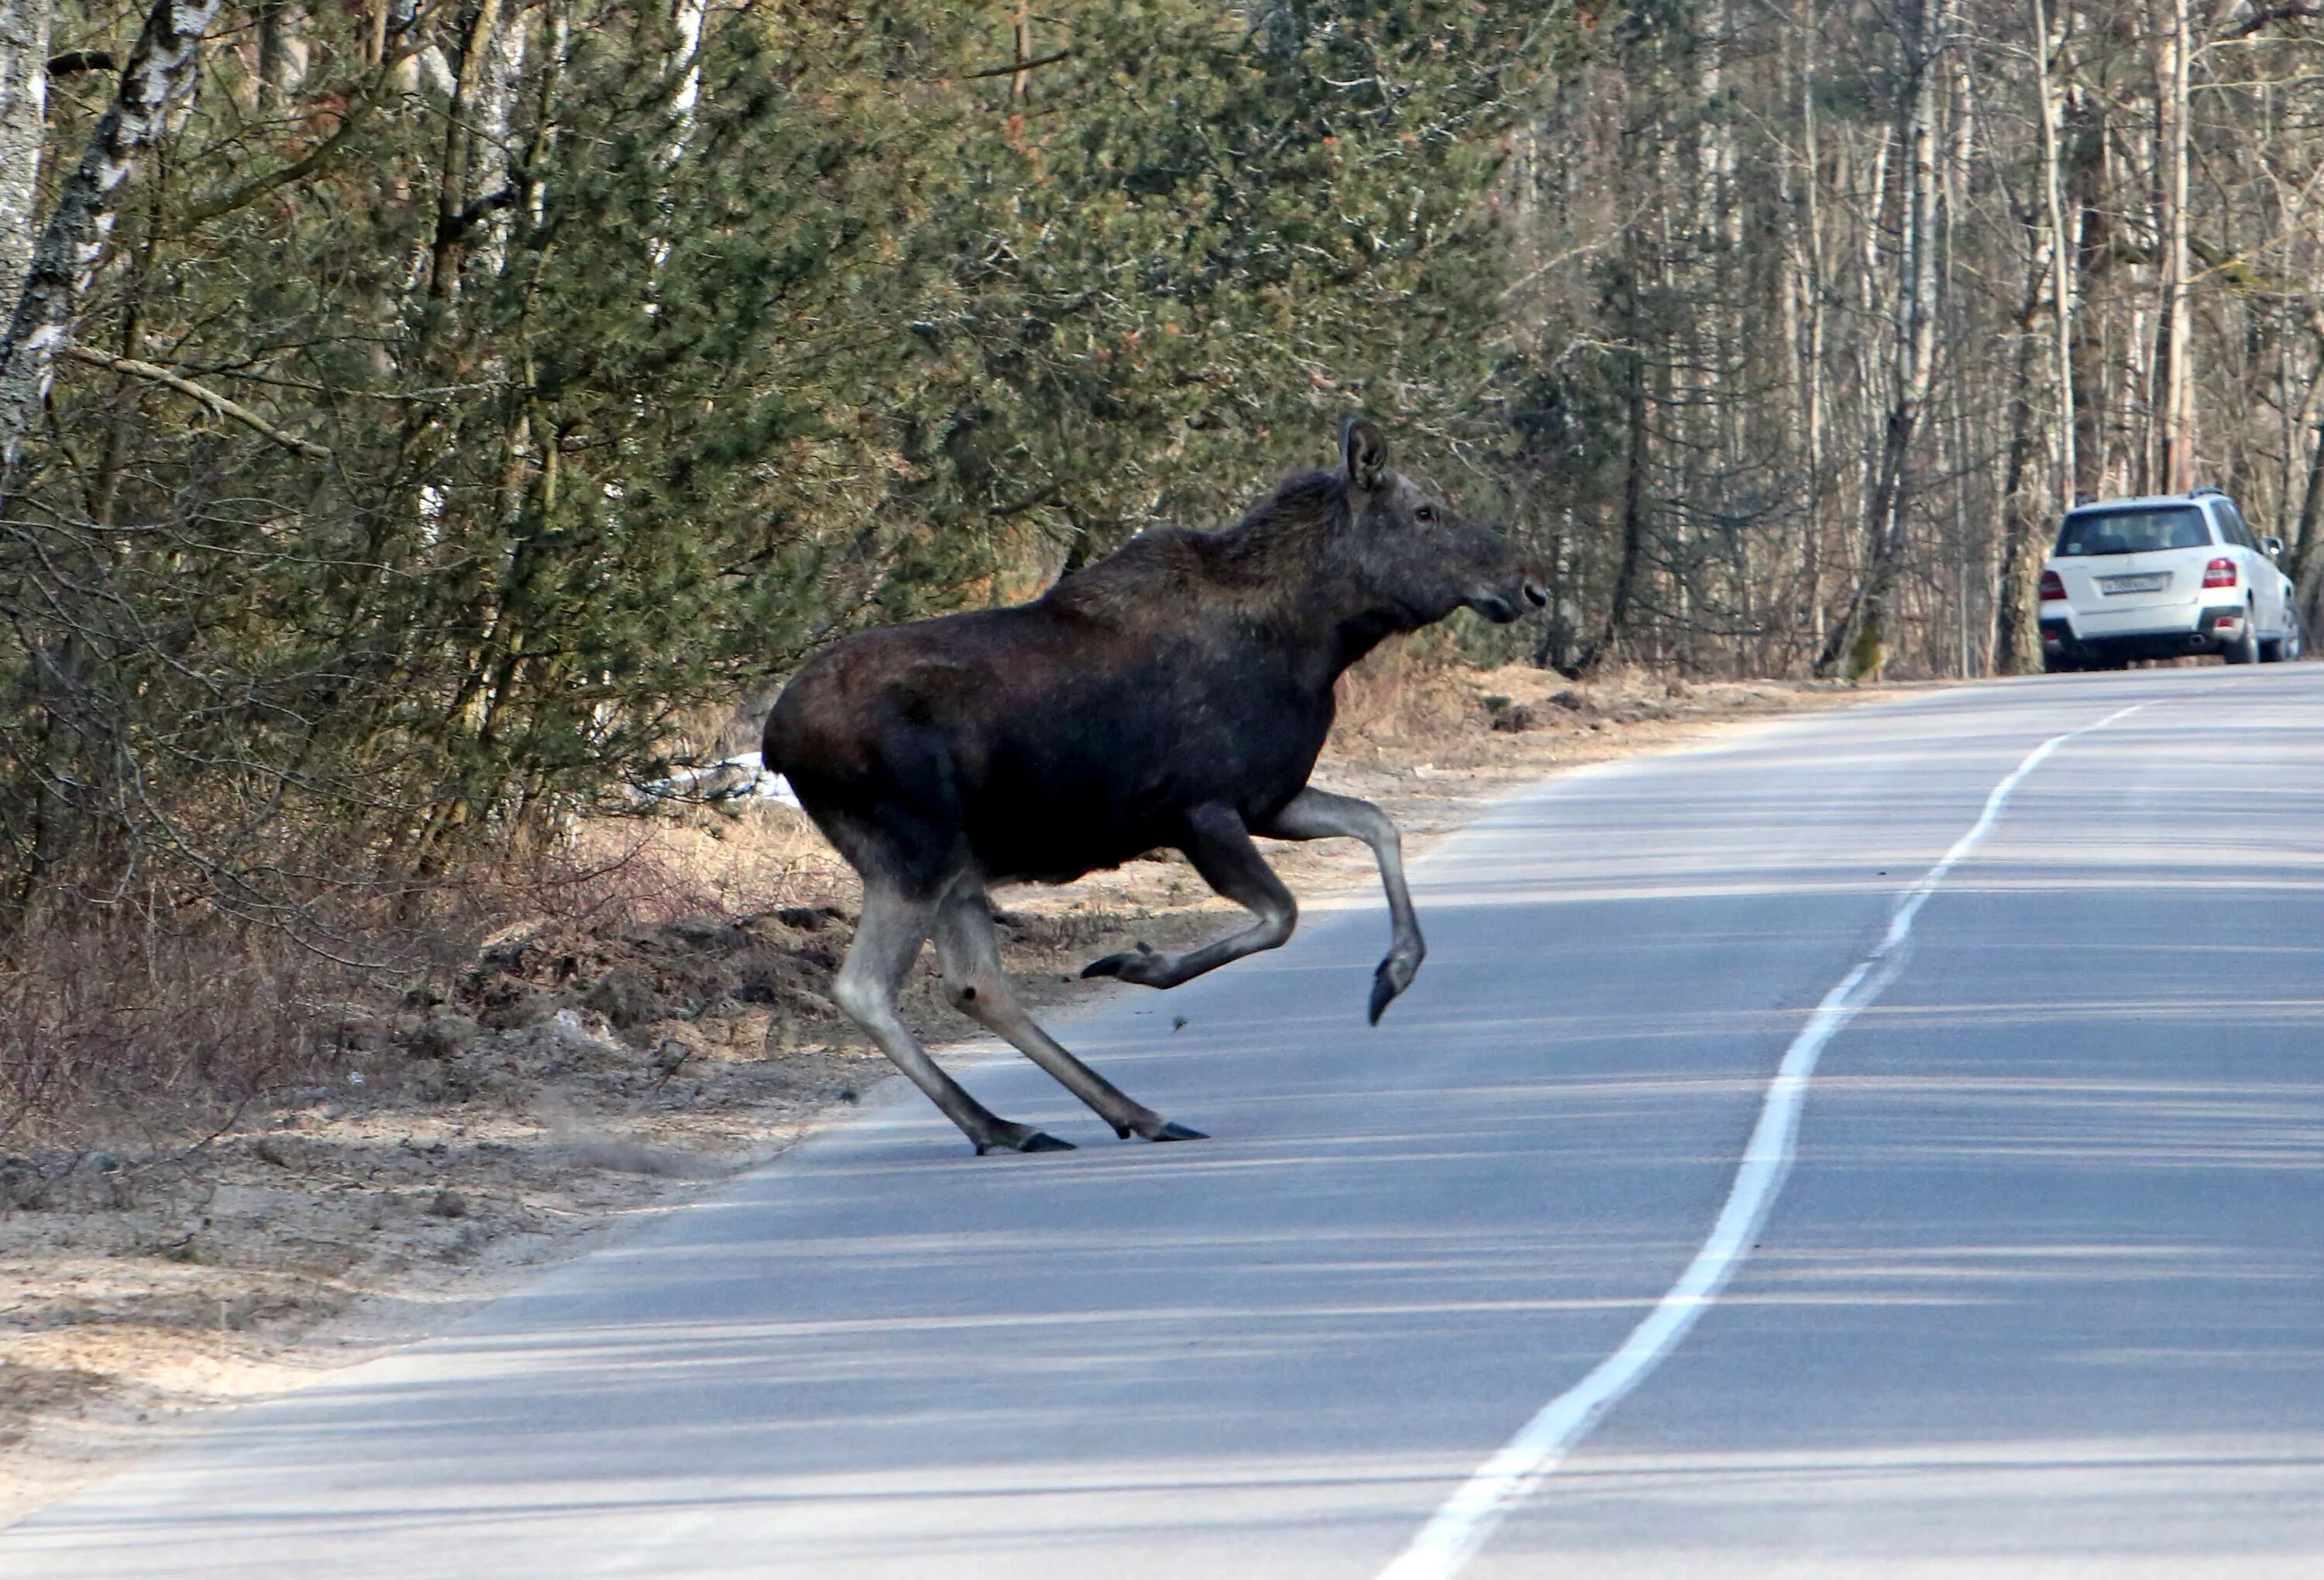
2134 531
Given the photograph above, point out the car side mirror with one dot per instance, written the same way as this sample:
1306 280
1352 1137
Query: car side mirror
2274 546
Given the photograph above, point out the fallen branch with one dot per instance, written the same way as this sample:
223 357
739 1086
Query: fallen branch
207 396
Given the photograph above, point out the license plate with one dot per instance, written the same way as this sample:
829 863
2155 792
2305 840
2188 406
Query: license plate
2110 586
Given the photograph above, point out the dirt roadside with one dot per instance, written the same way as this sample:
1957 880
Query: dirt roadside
590 1069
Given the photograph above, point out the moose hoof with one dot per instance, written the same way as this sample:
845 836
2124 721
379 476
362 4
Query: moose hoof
1393 977
1138 965
1172 1131
1023 1138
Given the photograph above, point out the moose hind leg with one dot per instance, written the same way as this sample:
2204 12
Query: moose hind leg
1318 814
978 987
1220 847
888 939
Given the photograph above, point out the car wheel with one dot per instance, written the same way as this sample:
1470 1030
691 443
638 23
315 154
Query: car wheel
2271 650
2058 664
2244 648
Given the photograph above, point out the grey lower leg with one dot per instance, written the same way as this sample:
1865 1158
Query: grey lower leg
1318 814
888 939
977 986
1216 842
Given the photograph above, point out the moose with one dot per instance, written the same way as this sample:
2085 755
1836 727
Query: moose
1175 693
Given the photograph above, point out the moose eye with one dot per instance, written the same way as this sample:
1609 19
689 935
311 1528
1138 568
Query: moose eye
1424 514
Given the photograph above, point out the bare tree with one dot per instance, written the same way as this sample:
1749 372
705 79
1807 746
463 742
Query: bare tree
2048 46
2171 409
1858 644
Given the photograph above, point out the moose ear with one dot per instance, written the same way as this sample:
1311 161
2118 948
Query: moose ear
1363 453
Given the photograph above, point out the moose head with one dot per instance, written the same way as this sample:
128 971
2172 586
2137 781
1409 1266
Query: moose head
1416 555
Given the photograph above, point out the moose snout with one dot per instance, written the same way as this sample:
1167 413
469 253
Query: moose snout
1495 607
1503 605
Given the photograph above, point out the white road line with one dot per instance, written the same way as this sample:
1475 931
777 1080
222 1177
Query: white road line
1453 1536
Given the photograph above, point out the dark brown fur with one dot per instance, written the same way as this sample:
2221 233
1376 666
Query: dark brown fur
1174 693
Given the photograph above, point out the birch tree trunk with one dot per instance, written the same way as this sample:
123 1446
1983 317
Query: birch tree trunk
1814 287
2061 262
283 52
501 81
2017 631
2171 413
454 193
1858 643
23 111
684 64
2307 549
162 65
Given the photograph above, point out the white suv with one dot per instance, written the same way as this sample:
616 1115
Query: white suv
2162 578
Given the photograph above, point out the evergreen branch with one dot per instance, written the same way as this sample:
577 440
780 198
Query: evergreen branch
1031 502
315 159
207 396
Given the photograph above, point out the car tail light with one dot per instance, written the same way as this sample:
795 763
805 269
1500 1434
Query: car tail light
2219 572
2052 589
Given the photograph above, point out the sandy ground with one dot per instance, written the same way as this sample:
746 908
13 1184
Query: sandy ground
591 1069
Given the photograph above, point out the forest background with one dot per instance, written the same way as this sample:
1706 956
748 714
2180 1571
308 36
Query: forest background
425 421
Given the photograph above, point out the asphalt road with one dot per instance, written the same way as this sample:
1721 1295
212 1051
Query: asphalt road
2042 1293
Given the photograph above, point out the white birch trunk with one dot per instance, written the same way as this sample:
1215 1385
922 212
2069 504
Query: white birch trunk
162 65
1860 643
684 64
2177 395
1813 287
283 52
2048 46
453 190
23 115
501 81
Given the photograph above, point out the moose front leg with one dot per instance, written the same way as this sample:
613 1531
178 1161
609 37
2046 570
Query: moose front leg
1318 814
1220 847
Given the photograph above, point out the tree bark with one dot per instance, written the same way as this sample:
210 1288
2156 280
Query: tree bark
1858 643
1814 286
2171 408
2307 549
489 171
283 52
24 112
685 63
1634 484
2061 259
481 26
2017 629
162 67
